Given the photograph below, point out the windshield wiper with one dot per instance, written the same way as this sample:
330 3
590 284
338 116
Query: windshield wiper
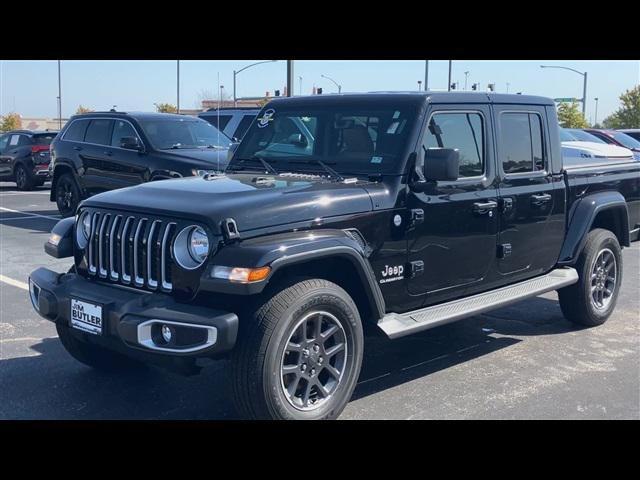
264 163
327 169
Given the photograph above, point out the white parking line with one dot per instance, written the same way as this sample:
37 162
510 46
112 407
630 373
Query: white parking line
11 194
57 217
15 283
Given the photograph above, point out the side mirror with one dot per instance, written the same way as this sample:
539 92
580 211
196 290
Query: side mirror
298 140
131 143
441 164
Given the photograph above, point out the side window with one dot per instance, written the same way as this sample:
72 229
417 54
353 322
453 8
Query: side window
24 140
463 131
122 129
243 126
99 132
76 131
521 143
4 141
14 141
220 125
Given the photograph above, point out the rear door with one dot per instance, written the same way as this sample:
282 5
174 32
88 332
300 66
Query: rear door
526 190
96 156
124 167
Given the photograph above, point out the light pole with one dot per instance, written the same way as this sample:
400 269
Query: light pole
419 85
236 72
508 87
178 86
426 75
59 98
220 97
300 77
584 86
596 115
466 75
449 84
336 83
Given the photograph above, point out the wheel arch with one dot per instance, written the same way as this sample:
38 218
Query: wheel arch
606 210
60 169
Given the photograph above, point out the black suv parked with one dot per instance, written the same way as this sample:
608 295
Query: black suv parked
24 157
233 122
97 152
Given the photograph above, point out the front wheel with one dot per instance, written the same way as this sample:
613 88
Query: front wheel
24 181
593 298
299 354
67 195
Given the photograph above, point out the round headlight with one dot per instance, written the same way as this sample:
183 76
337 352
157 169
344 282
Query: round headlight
83 229
198 244
191 247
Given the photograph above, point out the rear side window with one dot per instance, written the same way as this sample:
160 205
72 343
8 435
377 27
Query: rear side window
521 142
221 124
76 131
43 139
460 130
243 126
99 132
24 140
121 129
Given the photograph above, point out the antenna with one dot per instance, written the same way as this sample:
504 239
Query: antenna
219 99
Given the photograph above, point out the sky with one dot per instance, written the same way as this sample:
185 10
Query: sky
31 87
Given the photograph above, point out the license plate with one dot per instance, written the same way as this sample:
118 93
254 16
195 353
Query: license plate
86 316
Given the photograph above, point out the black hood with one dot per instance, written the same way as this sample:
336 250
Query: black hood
252 200
209 155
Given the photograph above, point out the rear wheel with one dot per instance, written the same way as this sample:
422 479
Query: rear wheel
67 195
24 180
593 298
94 356
299 355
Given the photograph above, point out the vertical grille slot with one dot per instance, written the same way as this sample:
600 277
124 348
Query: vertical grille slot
113 250
102 271
138 265
151 258
125 268
92 239
164 256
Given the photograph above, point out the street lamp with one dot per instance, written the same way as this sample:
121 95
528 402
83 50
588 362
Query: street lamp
596 115
59 98
336 83
466 75
300 77
584 87
419 85
236 72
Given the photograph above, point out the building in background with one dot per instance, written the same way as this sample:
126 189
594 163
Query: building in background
30 123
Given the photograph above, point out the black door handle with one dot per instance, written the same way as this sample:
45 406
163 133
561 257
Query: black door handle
77 148
484 207
540 199
108 154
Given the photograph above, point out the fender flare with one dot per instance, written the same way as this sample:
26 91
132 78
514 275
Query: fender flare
581 218
294 248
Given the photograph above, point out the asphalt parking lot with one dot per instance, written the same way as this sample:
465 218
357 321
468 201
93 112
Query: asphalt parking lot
520 362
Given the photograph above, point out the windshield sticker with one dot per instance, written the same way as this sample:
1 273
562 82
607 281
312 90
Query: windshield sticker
376 159
267 117
392 128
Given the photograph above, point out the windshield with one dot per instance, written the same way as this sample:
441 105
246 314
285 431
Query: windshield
176 133
626 140
583 136
565 136
350 139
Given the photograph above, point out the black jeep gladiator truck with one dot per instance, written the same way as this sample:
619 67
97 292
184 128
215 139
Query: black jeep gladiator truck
338 215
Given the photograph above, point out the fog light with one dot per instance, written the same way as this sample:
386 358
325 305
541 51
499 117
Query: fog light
166 333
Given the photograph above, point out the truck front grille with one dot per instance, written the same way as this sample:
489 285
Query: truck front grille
131 250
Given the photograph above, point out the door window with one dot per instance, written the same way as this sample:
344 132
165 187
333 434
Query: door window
99 132
521 142
243 126
4 141
220 122
122 129
76 131
463 131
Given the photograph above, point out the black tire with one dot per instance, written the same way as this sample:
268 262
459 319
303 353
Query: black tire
67 195
258 360
94 356
577 301
24 180
38 182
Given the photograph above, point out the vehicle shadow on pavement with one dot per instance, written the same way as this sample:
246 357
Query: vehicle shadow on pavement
52 385
389 363
25 222
13 188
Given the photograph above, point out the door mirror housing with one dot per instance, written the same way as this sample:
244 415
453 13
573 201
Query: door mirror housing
441 164
131 143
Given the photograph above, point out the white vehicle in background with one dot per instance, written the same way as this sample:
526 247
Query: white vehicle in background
578 145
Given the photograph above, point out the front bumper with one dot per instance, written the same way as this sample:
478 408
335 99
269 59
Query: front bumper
129 318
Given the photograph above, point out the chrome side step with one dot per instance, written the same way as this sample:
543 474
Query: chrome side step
397 325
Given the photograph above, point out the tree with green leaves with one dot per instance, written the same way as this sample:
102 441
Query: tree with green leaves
10 121
166 108
82 109
628 115
570 116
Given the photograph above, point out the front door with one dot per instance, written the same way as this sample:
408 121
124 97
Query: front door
526 189
455 222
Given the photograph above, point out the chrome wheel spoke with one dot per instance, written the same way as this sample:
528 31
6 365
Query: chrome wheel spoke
334 349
